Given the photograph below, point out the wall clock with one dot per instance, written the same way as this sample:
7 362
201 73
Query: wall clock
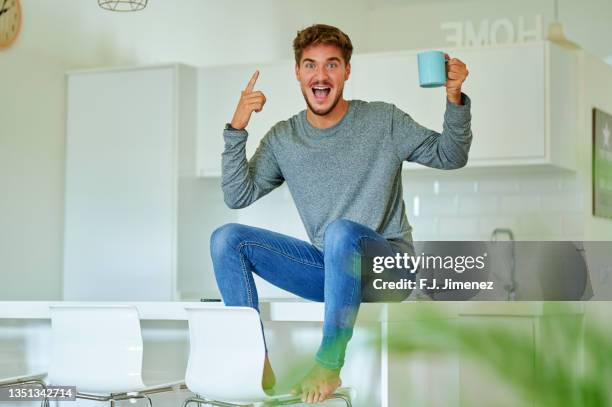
10 22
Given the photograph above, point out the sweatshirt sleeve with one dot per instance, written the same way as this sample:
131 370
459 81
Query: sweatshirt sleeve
446 150
245 181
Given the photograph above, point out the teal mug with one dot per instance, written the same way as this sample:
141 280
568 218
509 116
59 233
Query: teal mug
432 69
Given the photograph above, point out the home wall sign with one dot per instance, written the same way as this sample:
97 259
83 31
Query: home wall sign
493 32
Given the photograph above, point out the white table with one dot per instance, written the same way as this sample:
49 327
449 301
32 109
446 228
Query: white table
383 318
292 310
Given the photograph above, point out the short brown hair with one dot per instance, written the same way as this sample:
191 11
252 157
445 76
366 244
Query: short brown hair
322 34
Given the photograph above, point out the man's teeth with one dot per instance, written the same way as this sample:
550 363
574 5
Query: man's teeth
321 90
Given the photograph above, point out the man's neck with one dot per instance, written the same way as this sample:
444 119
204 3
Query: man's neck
331 118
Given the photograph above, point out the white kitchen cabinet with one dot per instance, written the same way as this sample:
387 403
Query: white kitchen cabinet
219 91
130 195
469 374
524 100
479 384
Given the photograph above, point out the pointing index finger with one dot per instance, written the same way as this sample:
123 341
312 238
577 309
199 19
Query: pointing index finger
251 84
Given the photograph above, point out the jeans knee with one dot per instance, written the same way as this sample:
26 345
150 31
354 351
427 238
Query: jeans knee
342 233
225 238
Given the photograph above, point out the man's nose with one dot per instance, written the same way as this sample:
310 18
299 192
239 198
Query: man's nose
321 74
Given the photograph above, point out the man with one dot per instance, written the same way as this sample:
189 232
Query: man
342 163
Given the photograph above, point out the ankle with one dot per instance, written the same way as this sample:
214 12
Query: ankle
326 371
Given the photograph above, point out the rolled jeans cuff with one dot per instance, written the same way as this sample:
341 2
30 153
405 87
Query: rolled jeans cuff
332 350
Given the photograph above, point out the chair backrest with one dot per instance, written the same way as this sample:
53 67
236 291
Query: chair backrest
226 355
96 348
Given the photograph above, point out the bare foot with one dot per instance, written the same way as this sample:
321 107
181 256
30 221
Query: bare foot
318 384
268 380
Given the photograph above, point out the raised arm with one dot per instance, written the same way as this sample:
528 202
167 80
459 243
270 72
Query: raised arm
446 150
244 181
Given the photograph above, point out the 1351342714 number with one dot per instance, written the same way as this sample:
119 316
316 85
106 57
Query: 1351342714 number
29 393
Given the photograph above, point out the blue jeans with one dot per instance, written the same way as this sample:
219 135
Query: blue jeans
333 276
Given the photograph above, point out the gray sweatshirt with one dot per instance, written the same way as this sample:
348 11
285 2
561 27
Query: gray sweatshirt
351 170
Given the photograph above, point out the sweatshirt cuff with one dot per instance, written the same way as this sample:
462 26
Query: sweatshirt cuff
459 114
234 137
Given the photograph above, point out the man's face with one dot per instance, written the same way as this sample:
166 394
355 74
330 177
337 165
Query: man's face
321 73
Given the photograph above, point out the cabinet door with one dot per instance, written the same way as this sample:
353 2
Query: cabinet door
393 78
119 185
219 92
506 86
480 384
284 99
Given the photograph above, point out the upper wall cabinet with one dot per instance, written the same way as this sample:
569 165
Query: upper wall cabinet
524 101
219 93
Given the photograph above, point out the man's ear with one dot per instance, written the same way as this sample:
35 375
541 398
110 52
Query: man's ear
297 72
347 71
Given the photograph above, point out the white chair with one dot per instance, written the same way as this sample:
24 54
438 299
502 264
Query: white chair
98 349
226 359
27 380
19 375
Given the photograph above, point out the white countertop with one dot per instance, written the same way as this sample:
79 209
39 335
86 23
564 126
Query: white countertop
297 310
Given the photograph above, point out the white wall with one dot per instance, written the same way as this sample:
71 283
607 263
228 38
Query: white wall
417 24
410 24
596 93
31 173
68 34
467 205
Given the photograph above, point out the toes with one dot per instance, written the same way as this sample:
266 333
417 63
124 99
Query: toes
304 395
311 397
325 394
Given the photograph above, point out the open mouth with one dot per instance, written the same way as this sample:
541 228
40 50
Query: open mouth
321 92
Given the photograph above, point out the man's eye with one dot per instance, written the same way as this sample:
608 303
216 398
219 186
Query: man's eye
310 66
332 65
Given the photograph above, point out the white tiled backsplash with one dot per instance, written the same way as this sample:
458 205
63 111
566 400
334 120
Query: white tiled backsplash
451 205
469 206
456 205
